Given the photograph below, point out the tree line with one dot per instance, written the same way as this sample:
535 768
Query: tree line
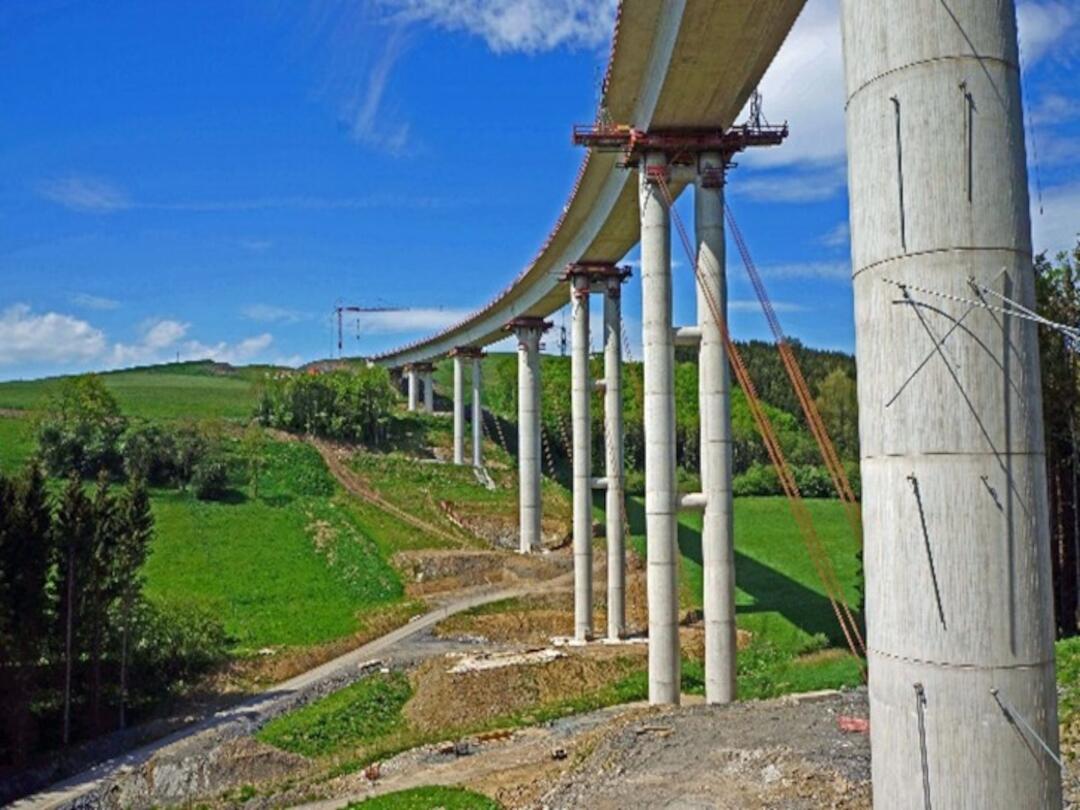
1057 286
69 590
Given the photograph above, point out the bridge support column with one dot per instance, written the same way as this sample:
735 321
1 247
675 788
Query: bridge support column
413 379
477 414
528 332
714 407
958 587
661 502
613 456
459 408
429 390
581 438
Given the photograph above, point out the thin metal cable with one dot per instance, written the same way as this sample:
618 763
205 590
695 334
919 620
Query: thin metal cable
1019 312
1014 716
920 710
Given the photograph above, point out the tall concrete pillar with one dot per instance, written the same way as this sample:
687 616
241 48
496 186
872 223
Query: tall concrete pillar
459 409
714 407
529 497
581 438
413 379
613 459
477 415
958 587
429 391
661 502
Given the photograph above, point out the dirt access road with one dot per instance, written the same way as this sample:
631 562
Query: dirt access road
246 717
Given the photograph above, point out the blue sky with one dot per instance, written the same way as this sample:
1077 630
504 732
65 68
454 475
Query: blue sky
208 178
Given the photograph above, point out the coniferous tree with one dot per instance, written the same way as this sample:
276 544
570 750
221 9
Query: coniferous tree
24 599
73 529
99 587
136 527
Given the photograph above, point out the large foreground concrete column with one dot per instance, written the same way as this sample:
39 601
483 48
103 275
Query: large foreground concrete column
581 430
477 415
613 459
660 497
958 586
529 499
717 537
413 380
459 409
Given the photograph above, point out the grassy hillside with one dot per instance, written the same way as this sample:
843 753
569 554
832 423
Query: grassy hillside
174 391
291 567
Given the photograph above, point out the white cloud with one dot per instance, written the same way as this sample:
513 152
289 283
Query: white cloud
1042 26
237 353
804 85
26 337
268 313
53 339
529 26
1058 226
409 320
157 339
96 302
86 194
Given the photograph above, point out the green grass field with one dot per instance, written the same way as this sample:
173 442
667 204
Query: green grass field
779 598
358 714
16 443
175 391
292 567
428 798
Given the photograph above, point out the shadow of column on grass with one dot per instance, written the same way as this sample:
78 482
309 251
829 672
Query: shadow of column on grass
771 590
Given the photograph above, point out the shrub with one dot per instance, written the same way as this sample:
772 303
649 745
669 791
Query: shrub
172 644
210 480
344 405
759 479
79 428
149 454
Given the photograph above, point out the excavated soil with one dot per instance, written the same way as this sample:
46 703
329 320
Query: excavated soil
785 753
445 699
432 571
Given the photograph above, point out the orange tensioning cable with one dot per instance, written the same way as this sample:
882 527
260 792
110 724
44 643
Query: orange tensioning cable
818 557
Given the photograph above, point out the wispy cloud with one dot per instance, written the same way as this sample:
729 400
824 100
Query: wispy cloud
100 197
837 236
528 26
825 271
86 194
367 117
1045 26
269 313
95 302
409 320
255 245
753 305
1057 228
790 187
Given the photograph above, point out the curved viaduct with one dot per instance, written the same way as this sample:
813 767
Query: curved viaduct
959 617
